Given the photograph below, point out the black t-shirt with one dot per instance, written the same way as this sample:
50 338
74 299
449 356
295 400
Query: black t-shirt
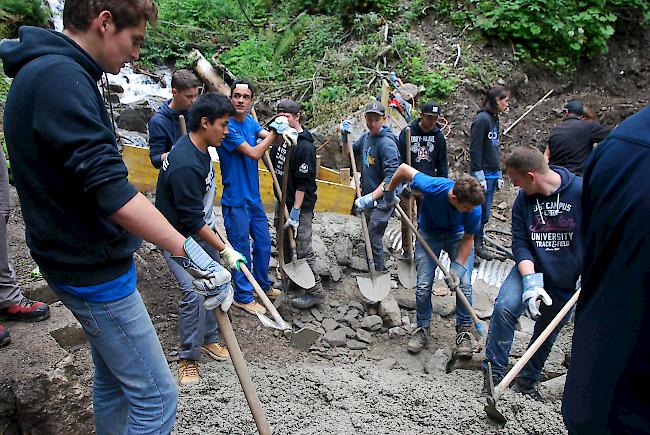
428 150
302 173
572 141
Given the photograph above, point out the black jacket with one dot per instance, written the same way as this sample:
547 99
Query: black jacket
164 132
68 171
302 174
571 142
484 143
428 150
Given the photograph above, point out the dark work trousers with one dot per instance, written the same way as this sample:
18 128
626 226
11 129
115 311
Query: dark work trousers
377 220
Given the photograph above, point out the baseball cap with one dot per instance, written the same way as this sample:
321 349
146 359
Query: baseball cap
375 107
575 107
430 108
286 105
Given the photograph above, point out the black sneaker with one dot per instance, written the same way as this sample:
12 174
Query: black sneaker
464 347
418 340
307 301
528 388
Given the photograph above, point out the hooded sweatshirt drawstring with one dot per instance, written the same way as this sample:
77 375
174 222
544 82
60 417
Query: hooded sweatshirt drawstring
539 210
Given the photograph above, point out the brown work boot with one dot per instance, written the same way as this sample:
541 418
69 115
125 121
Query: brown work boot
188 372
216 351
273 293
464 347
251 307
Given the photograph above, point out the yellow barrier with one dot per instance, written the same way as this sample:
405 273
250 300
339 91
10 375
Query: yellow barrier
332 196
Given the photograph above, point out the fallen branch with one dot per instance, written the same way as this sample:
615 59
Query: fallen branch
457 55
527 112
292 22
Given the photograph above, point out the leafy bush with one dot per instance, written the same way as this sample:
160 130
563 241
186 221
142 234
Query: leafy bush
254 59
16 13
557 32
438 84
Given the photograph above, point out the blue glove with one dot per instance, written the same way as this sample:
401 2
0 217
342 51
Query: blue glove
210 278
391 197
533 292
279 124
346 127
480 176
456 272
364 202
294 220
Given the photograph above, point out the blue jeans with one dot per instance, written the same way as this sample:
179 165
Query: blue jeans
486 207
507 309
243 223
377 219
134 391
426 270
197 325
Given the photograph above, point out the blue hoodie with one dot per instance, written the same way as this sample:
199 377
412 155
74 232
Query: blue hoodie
164 132
69 174
546 231
606 385
379 158
484 144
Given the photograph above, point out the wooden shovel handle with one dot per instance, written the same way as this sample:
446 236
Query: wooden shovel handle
364 224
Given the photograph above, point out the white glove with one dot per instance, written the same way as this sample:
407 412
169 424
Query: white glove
480 176
364 202
500 183
209 276
533 293
233 258
279 124
290 135
223 301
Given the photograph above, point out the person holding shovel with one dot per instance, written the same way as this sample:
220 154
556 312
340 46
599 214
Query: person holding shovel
83 219
185 196
449 220
301 195
164 129
379 161
547 245
428 149
484 153
241 202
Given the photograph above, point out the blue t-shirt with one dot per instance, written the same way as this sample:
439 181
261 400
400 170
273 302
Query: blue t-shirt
241 183
108 291
438 215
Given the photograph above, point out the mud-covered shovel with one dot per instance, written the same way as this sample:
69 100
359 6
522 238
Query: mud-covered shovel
378 285
496 392
406 272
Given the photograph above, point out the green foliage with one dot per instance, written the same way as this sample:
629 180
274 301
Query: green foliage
4 85
556 32
254 59
16 13
438 84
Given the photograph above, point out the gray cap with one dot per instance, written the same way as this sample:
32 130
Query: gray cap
375 107
286 105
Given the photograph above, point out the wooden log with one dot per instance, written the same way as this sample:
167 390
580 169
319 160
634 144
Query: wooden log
208 75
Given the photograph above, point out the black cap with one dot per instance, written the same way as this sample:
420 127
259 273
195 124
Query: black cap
286 105
430 108
575 107
375 107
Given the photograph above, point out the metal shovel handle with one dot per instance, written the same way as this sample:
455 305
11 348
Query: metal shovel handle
225 327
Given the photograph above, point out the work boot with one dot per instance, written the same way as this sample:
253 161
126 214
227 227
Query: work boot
527 388
188 372
5 339
251 307
26 310
307 301
464 348
418 340
479 250
273 293
216 351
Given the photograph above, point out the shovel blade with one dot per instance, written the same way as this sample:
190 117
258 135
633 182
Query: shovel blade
406 273
268 322
376 287
493 413
300 273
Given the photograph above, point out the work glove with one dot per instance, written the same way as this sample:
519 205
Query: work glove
480 176
293 220
500 181
456 271
233 258
210 278
365 202
390 197
280 124
290 136
407 192
533 292
345 128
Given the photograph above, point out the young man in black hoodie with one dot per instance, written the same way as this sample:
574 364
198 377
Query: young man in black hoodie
301 195
185 196
547 245
83 219
484 152
164 129
428 150
571 142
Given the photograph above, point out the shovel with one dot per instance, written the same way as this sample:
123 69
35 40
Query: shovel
459 294
406 272
496 392
279 322
242 372
378 285
297 270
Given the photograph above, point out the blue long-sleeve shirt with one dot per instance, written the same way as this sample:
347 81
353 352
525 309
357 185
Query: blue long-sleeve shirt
379 158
